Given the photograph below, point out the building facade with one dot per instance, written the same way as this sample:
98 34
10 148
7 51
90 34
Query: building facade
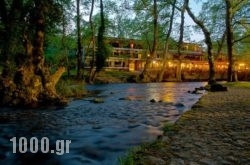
130 55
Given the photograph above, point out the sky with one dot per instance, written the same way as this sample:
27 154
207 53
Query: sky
196 8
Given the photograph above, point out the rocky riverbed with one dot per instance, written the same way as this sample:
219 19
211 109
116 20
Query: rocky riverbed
216 131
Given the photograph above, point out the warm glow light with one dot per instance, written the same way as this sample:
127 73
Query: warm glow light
163 94
183 65
241 64
170 64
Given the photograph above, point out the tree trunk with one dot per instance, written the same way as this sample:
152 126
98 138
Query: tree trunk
180 43
79 45
145 75
91 75
231 73
32 84
165 53
64 47
164 63
208 42
101 47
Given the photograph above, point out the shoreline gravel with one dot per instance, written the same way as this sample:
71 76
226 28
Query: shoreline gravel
215 131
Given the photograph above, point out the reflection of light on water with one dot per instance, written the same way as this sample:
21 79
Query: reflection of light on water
165 93
169 97
131 90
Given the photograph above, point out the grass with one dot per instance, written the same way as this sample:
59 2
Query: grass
119 73
136 155
113 76
168 128
241 84
71 88
128 159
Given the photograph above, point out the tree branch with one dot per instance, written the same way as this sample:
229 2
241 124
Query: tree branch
238 4
198 22
242 38
220 43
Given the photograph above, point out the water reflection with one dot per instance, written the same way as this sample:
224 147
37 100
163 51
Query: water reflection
162 92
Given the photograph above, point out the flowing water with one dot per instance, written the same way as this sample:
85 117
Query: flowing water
100 133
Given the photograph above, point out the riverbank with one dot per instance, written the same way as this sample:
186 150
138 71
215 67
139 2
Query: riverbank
215 131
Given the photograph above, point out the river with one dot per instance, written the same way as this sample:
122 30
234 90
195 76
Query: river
99 133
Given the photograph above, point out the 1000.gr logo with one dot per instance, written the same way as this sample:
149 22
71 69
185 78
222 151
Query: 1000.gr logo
44 145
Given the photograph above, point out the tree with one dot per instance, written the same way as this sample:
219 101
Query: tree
208 41
79 45
180 41
32 84
65 46
229 17
236 19
165 52
145 75
11 19
220 20
91 72
101 54
214 20
16 19
121 20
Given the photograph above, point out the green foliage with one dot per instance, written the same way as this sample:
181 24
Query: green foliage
71 88
102 52
101 57
19 17
57 55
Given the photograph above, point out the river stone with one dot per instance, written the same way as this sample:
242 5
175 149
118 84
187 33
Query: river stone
179 105
98 100
155 161
152 100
